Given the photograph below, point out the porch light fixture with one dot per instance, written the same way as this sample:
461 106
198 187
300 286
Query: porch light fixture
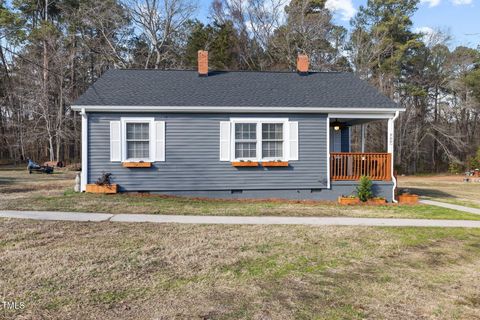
336 125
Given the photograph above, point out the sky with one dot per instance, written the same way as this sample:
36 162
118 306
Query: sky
459 18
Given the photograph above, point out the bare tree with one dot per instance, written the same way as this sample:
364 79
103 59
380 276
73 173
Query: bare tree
160 21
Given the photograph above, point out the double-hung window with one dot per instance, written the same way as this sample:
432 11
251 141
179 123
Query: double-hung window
138 140
259 140
246 140
272 141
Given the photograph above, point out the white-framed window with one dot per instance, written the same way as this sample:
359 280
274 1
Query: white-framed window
258 139
272 141
137 139
245 140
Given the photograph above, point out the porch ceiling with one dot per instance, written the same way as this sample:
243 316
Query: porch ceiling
354 122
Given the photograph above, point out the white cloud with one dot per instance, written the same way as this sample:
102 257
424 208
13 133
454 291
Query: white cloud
431 37
427 31
344 8
434 3
461 2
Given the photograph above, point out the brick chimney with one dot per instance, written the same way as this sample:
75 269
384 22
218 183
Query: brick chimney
302 64
202 63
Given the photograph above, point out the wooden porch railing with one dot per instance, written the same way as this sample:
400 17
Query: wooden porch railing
351 166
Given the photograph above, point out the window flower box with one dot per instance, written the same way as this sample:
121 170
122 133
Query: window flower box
137 164
348 200
245 164
95 188
275 164
408 198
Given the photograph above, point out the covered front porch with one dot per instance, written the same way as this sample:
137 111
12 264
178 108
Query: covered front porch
351 157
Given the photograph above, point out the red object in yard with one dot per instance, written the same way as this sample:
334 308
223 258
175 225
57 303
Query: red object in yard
53 164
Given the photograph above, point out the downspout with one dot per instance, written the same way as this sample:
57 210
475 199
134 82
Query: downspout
397 113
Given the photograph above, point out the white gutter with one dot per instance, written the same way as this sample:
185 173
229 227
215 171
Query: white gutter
256 109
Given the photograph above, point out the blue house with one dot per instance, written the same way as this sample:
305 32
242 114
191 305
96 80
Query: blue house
234 134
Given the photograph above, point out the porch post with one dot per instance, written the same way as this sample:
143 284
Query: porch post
84 175
390 149
329 173
391 134
362 142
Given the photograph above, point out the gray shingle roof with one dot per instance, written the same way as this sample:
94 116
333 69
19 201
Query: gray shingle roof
229 89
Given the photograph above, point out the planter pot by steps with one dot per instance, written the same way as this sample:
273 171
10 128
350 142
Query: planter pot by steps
376 202
348 201
408 199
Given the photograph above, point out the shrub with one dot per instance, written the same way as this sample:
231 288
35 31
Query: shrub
104 180
455 168
474 162
364 189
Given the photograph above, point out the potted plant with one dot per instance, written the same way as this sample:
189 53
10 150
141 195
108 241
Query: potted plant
377 201
348 200
103 185
407 198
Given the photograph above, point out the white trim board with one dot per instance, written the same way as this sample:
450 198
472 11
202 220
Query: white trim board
363 115
84 174
233 109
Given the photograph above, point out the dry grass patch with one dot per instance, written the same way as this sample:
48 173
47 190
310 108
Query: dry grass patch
446 188
142 271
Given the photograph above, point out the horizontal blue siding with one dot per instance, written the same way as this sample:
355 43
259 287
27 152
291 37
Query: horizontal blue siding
192 156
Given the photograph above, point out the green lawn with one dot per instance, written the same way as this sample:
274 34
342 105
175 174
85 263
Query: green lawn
66 270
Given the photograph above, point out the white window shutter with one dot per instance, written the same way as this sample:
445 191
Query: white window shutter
159 140
225 141
293 140
115 141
